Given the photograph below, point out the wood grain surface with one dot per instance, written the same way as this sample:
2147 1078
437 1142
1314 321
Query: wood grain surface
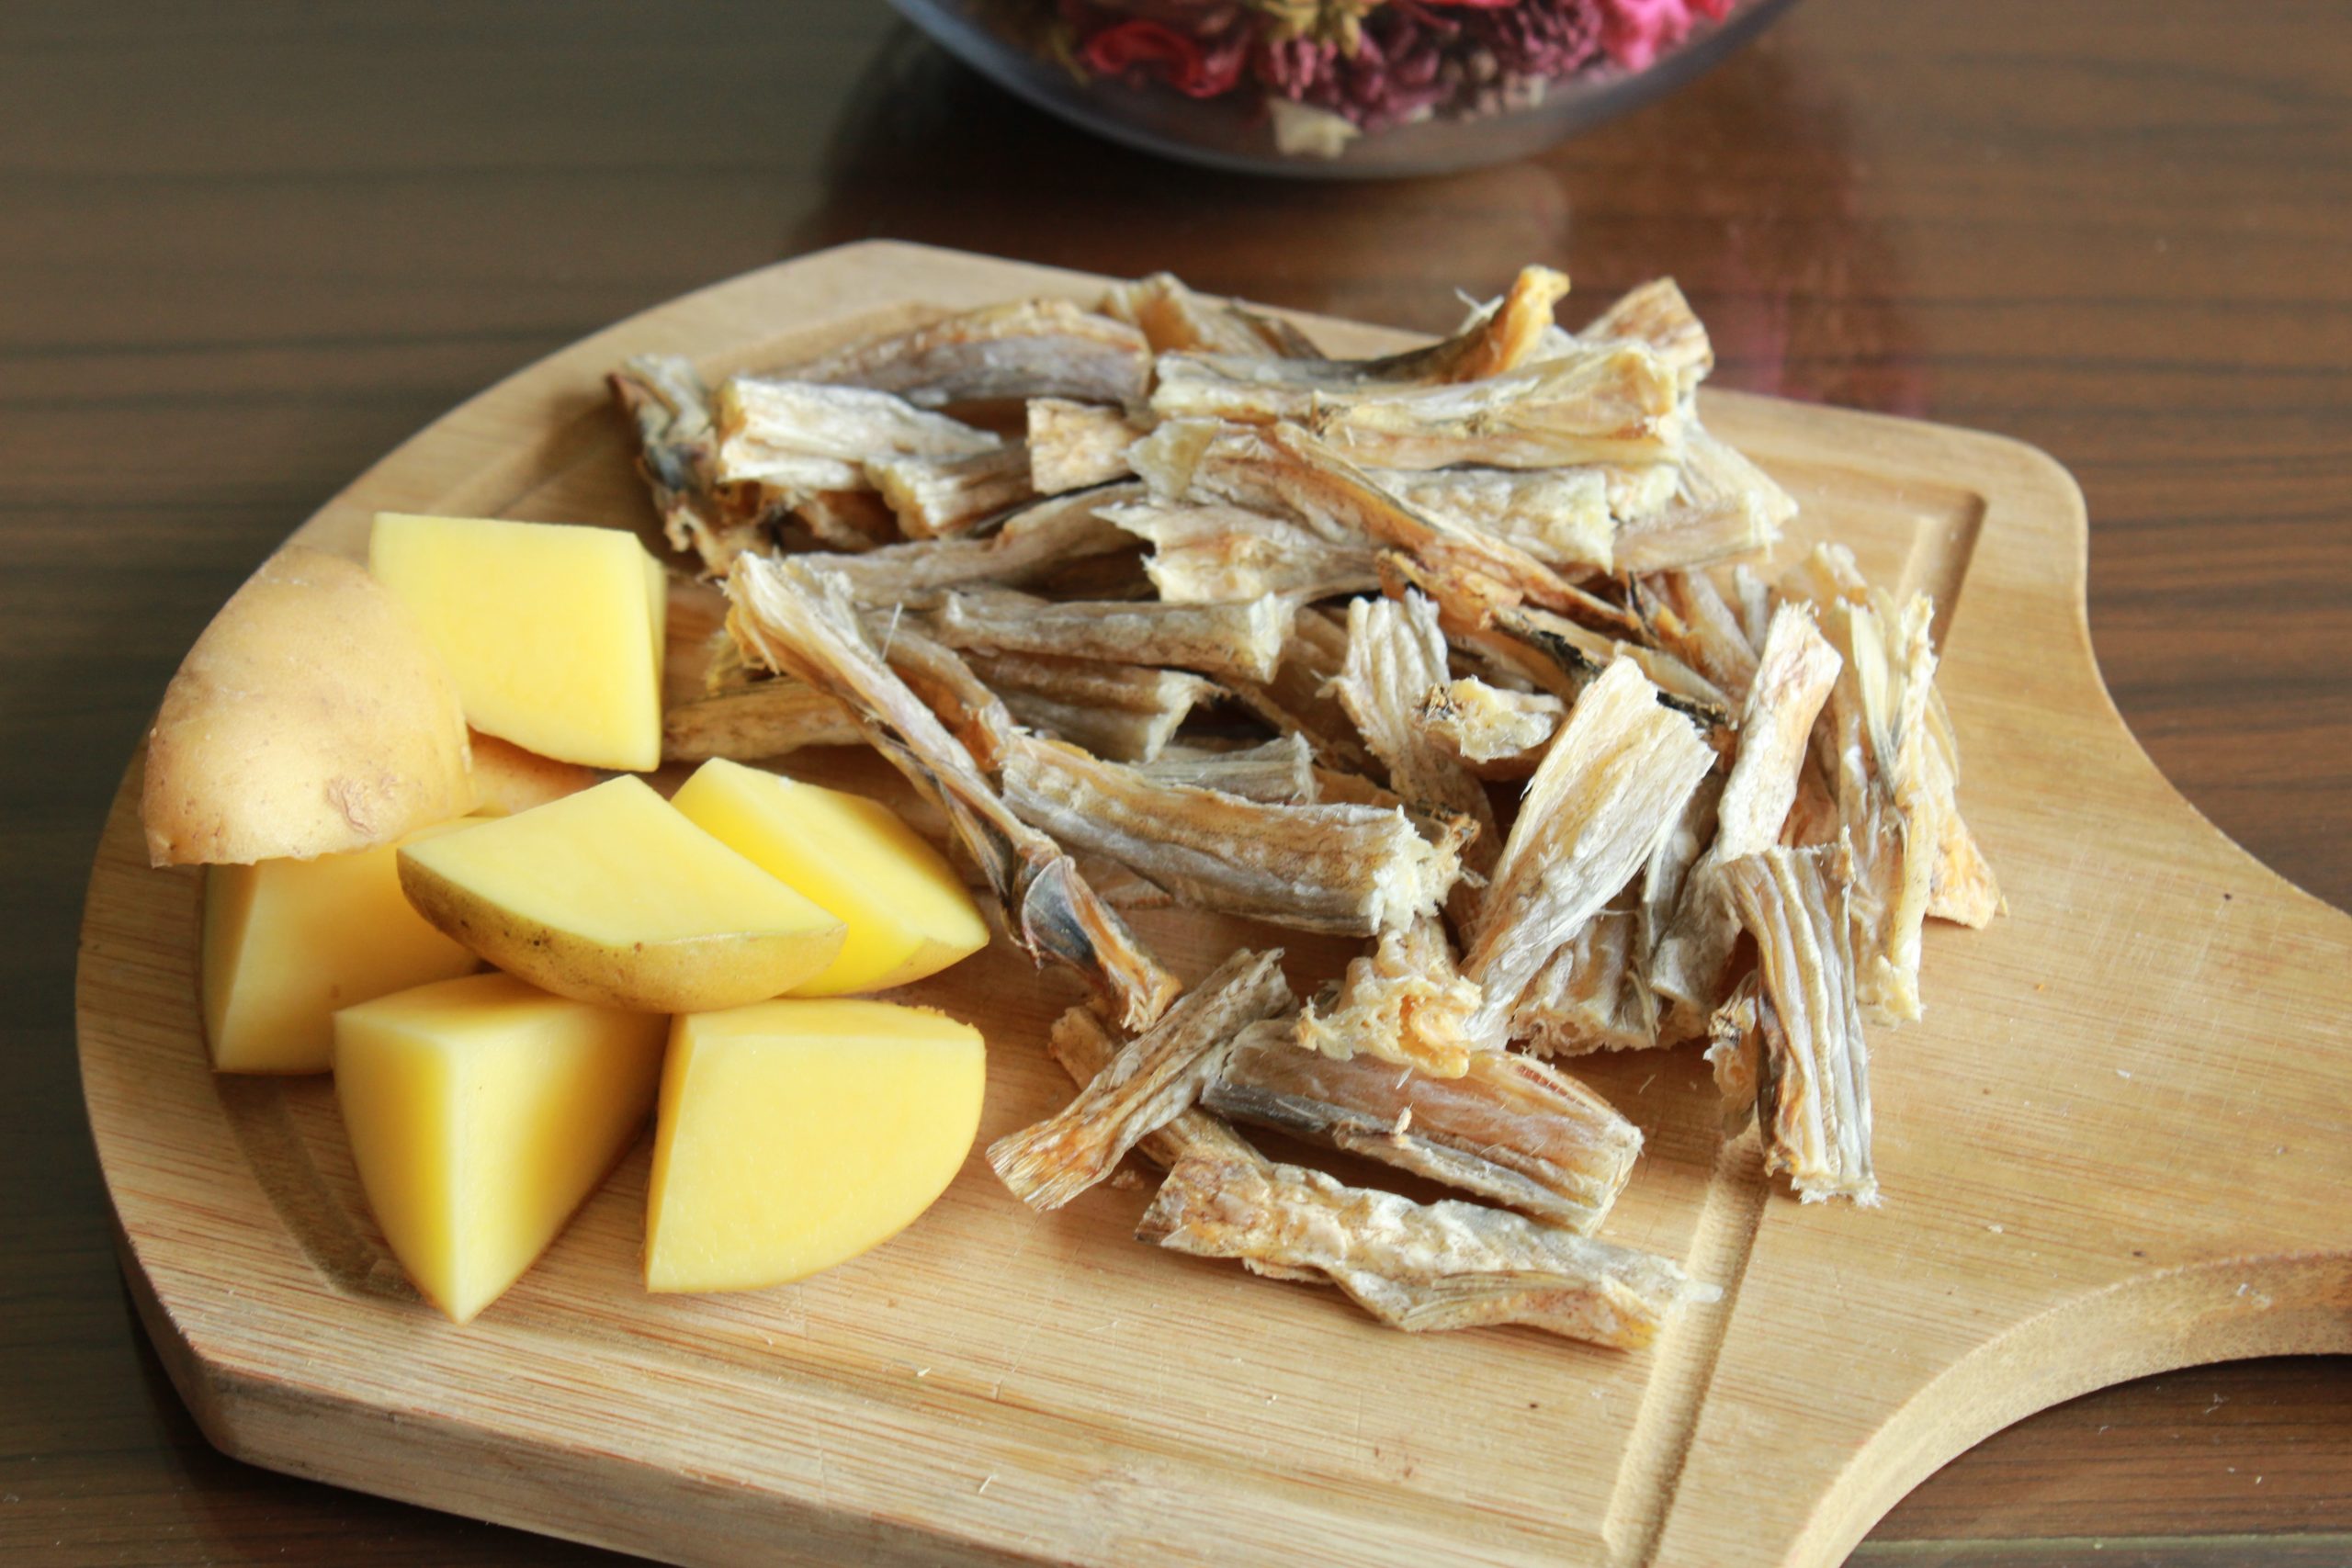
246 250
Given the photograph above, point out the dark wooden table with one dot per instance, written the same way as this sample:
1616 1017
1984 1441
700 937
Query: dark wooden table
246 248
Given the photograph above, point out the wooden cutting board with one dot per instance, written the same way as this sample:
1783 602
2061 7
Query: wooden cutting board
2116 1143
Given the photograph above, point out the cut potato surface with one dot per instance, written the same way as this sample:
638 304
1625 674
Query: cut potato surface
482 1113
287 942
798 1134
553 630
507 778
612 897
908 913
312 717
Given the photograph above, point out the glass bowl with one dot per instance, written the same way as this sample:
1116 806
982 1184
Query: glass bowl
1236 131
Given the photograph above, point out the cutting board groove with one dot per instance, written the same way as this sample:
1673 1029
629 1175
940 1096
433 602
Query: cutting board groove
2114 1146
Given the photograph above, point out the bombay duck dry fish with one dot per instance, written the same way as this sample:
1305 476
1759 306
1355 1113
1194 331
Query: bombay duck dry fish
1474 655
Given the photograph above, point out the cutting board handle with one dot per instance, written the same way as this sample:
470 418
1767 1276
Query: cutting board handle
2119 1142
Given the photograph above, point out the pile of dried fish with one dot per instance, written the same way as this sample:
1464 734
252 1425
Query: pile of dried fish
1464 652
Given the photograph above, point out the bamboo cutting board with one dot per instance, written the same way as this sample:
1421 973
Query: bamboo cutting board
2116 1143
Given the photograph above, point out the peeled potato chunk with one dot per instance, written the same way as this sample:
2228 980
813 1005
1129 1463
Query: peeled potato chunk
287 942
553 630
508 779
312 717
482 1113
908 913
798 1134
611 896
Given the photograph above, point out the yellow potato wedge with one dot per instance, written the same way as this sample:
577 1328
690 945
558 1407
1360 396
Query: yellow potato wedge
908 913
287 942
552 631
612 897
795 1135
482 1114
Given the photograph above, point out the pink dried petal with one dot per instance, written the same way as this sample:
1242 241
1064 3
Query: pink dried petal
1635 32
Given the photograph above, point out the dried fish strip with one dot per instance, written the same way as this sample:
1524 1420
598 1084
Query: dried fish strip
1613 403
1687 615
1657 314
1074 445
1030 348
1404 1002
1497 733
1297 702
1559 516
1885 803
1471 592
1350 870
1279 771
1872 748
799 620
1123 712
940 497
1813 815
1241 641
796 437
1610 788
1154 1076
1597 993
1175 319
1960 883
1419 1266
1467 604
1395 653
1616 403
1084 1046
1498 337
957 698
1591 995
1577 653
1282 468
1813 1093
665 397
1735 1051
1638 491
1962 887
1510 1130
1170 461
1667 876
677 451
1793 677
1253 388
767 718
1032 543
1723 506
1220 554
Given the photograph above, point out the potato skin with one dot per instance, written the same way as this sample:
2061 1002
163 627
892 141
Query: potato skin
693 974
310 718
